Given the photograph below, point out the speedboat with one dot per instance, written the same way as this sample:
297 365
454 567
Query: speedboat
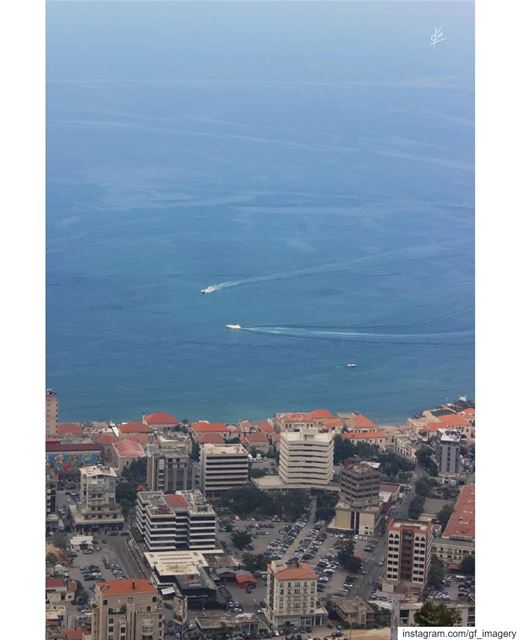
233 327
351 365
209 289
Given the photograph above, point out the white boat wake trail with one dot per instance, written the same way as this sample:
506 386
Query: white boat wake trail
298 332
410 253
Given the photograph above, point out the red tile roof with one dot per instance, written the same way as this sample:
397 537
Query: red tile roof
125 587
52 583
361 421
105 438
215 438
332 423
319 413
453 420
302 572
68 428
53 447
266 426
209 427
366 435
129 449
142 438
245 578
160 419
462 521
258 438
175 500
74 634
134 427
468 413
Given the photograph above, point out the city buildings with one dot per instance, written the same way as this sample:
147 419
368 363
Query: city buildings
97 506
127 610
182 520
160 421
359 506
222 467
124 452
409 551
169 467
291 595
51 413
447 453
306 458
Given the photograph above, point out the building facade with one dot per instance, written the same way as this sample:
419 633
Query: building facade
183 520
169 467
409 551
127 610
291 596
447 453
51 413
222 467
306 458
97 506
359 507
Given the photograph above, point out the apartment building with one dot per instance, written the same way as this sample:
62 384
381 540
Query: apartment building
170 522
51 413
222 467
291 595
409 551
169 467
359 506
447 453
97 506
127 610
306 458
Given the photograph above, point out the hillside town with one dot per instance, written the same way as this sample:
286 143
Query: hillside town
302 525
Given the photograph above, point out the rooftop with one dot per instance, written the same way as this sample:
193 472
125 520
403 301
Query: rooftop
310 434
209 427
98 470
125 587
298 571
134 427
419 527
160 419
223 449
448 435
461 524
368 434
175 563
128 448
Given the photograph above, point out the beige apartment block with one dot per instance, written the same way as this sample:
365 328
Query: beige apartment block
169 467
127 610
97 506
306 458
292 595
409 551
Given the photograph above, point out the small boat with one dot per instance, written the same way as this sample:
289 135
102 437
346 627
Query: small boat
351 365
209 289
233 327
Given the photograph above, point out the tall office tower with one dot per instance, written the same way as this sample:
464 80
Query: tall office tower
169 467
222 467
359 507
306 457
448 453
51 413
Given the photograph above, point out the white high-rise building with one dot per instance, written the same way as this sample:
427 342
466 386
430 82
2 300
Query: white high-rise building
306 458
182 520
223 467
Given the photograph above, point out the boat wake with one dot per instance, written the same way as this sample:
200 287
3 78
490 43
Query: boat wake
411 253
299 332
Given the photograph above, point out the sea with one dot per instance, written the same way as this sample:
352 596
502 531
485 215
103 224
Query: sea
313 161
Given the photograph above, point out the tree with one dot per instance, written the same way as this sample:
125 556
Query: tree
51 557
468 565
60 540
254 562
241 539
136 471
437 572
425 460
416 507
195 452
444 515
431 615
425 486
325 504
346 557
256 473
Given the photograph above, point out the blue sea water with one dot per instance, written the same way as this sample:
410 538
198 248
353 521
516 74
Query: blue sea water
316 158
